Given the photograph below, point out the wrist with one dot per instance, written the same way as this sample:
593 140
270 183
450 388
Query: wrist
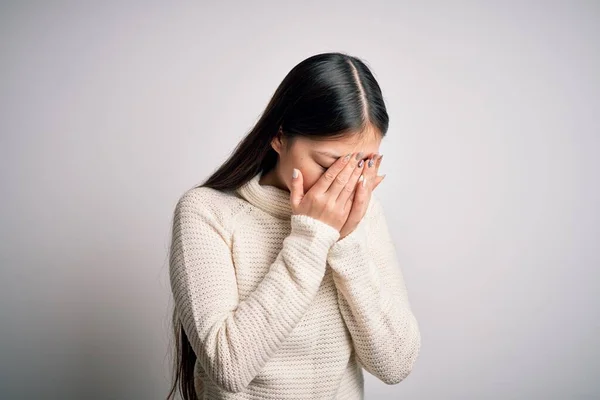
351 241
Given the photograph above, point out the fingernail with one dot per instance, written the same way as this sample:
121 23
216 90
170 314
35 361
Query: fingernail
347 157
359 155
370 164
360 164
295 173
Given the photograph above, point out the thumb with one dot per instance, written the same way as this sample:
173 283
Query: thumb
297 189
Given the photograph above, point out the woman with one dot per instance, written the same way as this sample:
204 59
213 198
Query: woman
283 271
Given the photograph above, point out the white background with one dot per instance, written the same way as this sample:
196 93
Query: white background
109 112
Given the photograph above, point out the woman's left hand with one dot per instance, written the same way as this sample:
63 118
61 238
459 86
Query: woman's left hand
362 194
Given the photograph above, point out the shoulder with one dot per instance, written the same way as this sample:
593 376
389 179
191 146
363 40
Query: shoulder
202 197
211 205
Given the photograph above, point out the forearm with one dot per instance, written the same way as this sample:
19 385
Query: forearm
384 330
234 339
374 302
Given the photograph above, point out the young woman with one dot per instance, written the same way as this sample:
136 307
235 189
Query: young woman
284 275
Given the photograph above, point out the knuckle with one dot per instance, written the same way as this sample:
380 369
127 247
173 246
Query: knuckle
340 180
320 201
330 205
328 202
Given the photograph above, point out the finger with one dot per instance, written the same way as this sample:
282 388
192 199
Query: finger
372 167
378 162
361 198
348 205
357 185
325 181
343 179
378 180
375 179
297 189
370 172
350 187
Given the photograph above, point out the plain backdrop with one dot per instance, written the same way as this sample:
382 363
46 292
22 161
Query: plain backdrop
110 110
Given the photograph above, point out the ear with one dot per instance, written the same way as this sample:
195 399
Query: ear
277 142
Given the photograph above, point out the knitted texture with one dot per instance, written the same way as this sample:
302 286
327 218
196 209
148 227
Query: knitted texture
277 306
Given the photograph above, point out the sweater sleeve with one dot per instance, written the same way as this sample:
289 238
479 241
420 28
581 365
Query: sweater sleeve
373 298
234 339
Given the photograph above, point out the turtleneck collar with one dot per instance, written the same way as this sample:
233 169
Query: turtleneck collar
268 198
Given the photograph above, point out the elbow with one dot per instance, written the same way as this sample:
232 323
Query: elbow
399 373
233 386
229 379
222 370
228 373
219 362
405 361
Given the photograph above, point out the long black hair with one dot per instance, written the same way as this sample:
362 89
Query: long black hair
327 95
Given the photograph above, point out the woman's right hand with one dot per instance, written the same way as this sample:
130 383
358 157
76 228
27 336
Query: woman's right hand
330 198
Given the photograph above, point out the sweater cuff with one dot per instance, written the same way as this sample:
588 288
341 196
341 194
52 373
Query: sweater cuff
318 232
350 245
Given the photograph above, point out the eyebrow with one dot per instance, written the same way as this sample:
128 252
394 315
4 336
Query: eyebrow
328 154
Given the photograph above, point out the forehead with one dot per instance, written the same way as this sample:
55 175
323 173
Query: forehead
367 142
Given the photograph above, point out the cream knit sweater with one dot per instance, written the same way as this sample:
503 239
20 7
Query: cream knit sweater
276 307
